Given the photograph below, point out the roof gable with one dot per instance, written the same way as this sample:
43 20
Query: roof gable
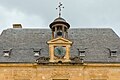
59 40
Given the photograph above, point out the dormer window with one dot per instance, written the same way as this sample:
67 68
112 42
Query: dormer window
81 53
113 53
37 52
6 53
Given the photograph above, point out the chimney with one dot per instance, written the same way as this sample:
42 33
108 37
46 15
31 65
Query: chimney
17 26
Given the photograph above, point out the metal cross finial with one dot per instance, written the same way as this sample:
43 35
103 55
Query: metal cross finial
60 8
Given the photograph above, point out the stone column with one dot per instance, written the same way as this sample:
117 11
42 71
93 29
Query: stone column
55 29
55 32
52 34
63 31
51 53
66 33
67 53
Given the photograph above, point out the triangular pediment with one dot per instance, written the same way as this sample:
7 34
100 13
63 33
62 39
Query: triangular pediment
59 40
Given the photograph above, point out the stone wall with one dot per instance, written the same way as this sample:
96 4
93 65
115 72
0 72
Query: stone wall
59 72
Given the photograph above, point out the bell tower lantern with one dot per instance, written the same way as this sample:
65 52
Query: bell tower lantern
59 45
59 28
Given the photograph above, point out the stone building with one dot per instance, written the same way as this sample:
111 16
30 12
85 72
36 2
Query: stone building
59 53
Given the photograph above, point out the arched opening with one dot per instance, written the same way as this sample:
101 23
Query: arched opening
60 62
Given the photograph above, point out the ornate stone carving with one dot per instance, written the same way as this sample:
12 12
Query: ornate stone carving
60 75
76 60
42 59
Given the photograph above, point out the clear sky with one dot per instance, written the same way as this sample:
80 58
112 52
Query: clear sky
79 13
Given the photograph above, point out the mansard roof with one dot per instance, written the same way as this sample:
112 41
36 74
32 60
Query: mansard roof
98 44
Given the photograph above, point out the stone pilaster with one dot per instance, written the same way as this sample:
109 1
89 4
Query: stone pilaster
51 51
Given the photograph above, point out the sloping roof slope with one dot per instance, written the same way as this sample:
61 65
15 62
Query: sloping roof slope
95 41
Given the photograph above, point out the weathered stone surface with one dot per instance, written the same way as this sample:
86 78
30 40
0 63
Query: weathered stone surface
53 71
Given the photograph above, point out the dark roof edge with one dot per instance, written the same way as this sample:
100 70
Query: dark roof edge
17 62
62 63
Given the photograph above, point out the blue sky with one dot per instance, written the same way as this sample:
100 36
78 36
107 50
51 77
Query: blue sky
79 13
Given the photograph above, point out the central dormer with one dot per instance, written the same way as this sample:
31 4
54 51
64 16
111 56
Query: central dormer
59 28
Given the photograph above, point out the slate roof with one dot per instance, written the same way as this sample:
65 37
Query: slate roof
97 43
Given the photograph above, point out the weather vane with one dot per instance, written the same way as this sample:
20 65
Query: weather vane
60 8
